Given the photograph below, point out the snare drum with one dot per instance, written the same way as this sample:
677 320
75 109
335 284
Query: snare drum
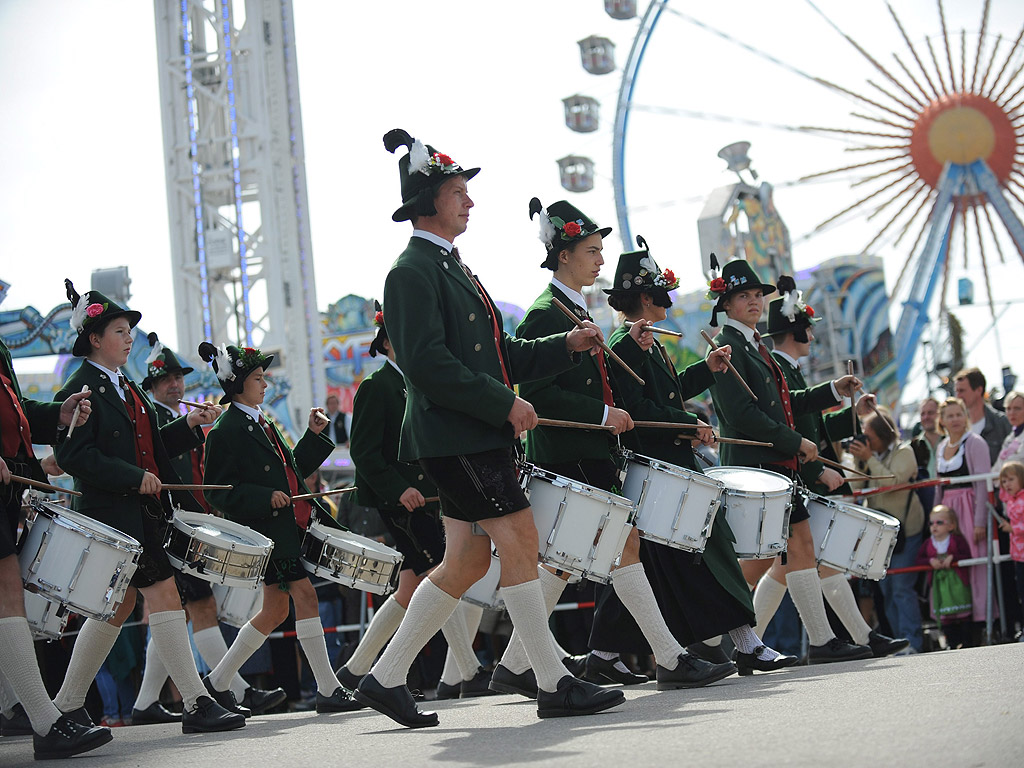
236 605
217 550
581 529
675 506
485 592
851 539
46 620
72 559
757 506
350 559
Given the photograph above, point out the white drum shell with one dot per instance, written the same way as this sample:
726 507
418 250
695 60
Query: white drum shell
852 539
350 559
757 507
236 605
217 550
46 620
675 506
72 559
485 592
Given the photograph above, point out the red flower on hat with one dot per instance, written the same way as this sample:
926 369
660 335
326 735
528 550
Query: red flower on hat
378 319
249 350
94 310
809 310
572 229
157 364
669 275
718 285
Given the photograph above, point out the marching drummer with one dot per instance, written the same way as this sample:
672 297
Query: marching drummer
119 460
398 491
245 449
23 421
702 597
740 294
165 382
584 394
790 326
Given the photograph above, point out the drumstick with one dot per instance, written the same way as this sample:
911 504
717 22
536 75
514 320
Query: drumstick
735 441
74 416
656 329
573 424
853 404
41 486
431 499
579 324
304 496
711 343
194 487
837 465
669 425
321 416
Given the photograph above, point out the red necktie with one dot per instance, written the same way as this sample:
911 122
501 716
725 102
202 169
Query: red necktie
606 387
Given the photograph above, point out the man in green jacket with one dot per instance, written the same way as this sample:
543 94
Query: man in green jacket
462 418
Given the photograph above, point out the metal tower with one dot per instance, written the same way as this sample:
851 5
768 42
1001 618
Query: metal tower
236 184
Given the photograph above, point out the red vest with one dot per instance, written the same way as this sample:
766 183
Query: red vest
13 423
142 432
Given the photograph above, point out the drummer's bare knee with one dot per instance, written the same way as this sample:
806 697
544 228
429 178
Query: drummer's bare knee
126 608
202 613
304 598
11 601
800 548
631 550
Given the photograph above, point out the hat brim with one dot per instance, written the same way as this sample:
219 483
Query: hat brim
149 380
405 212
81 347
790 328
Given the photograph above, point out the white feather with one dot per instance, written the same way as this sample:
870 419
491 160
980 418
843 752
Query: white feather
158 350
789 304
649 264
419 158
78 313
547 229
224 367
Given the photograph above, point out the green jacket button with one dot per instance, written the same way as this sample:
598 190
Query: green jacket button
478 347
472 316
266 468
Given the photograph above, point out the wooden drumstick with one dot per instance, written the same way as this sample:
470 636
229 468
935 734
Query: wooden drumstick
74 416
336 491
431 499
734 441
608 350
41 486
669 425
194 487
573 424
656 329
853 404
711 343
837 465
322 417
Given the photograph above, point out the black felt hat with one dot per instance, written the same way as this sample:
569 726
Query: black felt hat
421 171
377 345
90 311
638 272
161 362
232 365
561 225
789 313
736 276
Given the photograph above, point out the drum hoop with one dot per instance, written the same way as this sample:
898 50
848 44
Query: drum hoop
713 472
330 536
122 541
253 542
561 481
866 513
676 471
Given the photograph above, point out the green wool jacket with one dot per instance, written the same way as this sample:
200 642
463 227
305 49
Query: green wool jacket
182 463
572 395
381 477
444 343
822 429
101 453
239 453
43 418
765 420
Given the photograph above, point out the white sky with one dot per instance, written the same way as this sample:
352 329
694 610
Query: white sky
81 147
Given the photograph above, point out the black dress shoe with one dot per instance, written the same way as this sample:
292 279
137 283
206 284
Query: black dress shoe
445 691
208 717
479 685
692 672
17 724
397 703
153 714
712 653
838 650
503 680
748 662
603 671
576 697
577 665
882 645
339 701
81 716
67 738
259 701
348 679
226 699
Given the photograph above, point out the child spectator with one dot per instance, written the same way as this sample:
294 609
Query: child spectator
1011 493
949 594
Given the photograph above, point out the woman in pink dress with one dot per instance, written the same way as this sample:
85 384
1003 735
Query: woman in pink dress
963 453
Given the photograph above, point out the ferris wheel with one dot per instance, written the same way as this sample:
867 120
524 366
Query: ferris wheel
914 154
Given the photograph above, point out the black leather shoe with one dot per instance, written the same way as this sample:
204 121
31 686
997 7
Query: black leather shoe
477 686
17 724
576 697
81 716
397 703
503 680
445 691
692 672
208 717
748 662
712 653
837 650
260 701
339 701
67 738
226 699
882 645
346 678
603 671
577 665
153 714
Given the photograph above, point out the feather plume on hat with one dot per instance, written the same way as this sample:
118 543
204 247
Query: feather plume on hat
158 347
220 358
419 158
78 306
547 230
792 299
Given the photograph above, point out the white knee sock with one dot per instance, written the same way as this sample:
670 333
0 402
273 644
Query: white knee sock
514 659
211 646
525 604
94 642
745 639
21 672
839 593
310 633
153 678
451 675
170 636
8 698
805 589
428 610
767 599
634 590
247 642
382 627
456 633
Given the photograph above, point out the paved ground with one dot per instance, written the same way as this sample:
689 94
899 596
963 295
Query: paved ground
958 709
